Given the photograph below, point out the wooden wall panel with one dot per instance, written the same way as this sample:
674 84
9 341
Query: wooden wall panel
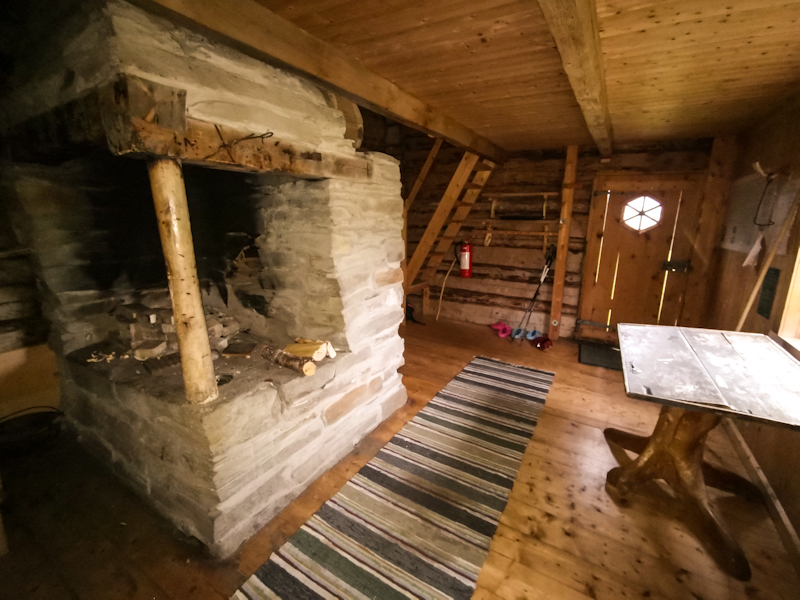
776 145
710 226
506 272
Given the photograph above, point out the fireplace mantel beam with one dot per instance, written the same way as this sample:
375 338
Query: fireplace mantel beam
256 30
146 118
138 118
172 212
202 144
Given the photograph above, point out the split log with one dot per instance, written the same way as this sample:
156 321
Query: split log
316 351
301 344
296 363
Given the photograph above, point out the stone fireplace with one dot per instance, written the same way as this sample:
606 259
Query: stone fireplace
295 235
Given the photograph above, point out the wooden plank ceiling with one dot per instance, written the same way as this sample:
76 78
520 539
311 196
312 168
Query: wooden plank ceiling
492 65
696 68
674 68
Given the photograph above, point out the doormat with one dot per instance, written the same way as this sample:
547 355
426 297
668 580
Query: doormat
417 520
600 355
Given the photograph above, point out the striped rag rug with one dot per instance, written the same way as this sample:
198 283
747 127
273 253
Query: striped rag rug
417 520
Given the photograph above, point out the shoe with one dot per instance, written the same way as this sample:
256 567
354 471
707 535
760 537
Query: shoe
533 334
542 342
499 325
504 332
518 333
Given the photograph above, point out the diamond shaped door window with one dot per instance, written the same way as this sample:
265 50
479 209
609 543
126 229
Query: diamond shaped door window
642 213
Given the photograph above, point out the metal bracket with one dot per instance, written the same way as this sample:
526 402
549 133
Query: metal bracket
596 324
676 266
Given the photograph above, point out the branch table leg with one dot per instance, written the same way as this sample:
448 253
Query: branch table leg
674 453
715 477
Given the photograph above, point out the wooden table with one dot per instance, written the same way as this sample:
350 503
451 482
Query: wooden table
700 376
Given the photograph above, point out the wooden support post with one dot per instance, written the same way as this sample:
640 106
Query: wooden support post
710 227
172 211
573 24
559 277
426 302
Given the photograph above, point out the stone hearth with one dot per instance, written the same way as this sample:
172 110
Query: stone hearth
286 256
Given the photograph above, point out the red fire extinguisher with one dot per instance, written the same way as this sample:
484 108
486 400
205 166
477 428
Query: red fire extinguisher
465 259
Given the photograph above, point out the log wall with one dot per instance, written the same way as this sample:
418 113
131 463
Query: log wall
28 370
21 322
507 270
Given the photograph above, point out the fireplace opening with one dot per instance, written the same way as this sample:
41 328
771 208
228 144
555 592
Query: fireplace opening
278 258
260 273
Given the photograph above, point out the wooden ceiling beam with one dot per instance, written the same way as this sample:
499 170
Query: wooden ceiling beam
255 30
573 24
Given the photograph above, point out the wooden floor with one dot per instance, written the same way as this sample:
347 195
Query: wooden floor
75 533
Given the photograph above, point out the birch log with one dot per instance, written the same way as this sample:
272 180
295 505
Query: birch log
300 364
172 211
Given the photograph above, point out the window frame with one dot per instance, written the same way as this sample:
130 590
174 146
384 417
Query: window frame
641 213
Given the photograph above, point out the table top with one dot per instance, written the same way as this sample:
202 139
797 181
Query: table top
745 375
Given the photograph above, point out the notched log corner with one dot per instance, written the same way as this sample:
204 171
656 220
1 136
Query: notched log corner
134 109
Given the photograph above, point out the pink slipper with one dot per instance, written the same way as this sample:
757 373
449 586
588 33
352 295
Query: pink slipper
503 330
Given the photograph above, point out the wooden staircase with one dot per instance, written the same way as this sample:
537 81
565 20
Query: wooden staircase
469 178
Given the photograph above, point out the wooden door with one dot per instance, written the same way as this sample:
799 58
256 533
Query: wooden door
637 223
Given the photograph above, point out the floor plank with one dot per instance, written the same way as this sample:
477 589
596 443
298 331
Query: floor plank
76 533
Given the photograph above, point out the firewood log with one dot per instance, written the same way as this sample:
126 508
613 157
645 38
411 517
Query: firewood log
328 348
316 351
290 361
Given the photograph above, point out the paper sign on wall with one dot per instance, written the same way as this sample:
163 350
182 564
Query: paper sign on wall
741 232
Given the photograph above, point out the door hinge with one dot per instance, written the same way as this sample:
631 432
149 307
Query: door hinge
595 324
676 266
